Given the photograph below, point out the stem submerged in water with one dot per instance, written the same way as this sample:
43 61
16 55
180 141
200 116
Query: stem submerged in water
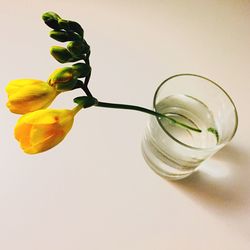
215 132
148 111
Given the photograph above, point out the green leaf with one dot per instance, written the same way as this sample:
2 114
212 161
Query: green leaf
86 101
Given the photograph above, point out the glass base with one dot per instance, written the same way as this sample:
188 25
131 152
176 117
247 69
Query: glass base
162 164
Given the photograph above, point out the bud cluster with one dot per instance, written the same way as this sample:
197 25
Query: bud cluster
77 49
41 128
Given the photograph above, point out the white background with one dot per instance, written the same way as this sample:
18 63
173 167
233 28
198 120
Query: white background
94 190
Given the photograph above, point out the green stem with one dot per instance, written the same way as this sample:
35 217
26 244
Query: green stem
86 90
148 111
86 81
87 78
126 106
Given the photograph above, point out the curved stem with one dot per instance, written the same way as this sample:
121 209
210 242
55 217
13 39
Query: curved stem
148 111
84 85
86 81
86 90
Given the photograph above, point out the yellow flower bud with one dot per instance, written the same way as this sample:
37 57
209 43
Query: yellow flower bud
43 129
27 95
63 78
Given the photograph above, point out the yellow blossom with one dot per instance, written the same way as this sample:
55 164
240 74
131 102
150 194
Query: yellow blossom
27 95
41 130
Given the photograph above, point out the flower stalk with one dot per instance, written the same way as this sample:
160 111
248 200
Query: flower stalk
148 111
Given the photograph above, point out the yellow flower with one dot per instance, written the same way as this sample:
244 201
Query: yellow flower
27 95
43 129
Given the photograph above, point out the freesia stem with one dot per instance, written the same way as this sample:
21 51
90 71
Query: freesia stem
148 111
126 106
76 109
85 88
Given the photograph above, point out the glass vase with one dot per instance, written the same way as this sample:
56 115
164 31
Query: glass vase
174 151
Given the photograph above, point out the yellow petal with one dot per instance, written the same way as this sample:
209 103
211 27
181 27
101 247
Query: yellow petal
22 134
15 85
47 116
44 137
41 130
29 95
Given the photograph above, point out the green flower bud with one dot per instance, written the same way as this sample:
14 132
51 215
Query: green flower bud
81 69
51 19
63 79
71 26
78 48
86 101
61 54
63 36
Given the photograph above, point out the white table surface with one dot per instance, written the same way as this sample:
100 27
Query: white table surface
94 190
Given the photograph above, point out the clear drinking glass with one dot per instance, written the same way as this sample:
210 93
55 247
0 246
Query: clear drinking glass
174 151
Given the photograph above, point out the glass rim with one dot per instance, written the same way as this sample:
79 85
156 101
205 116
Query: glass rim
216 85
